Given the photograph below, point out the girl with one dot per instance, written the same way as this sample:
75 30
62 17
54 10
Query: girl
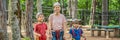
76 31
40 27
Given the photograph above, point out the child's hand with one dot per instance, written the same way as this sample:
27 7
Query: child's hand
80 26
39 35
83 36
49 34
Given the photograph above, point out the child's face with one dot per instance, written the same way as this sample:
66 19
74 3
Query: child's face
76 25
40 18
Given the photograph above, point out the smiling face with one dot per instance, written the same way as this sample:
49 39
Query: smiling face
40 18
57 9
75 25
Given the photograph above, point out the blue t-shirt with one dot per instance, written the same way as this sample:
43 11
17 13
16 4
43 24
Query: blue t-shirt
76 33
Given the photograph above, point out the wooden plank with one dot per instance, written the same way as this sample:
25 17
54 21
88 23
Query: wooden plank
99 29
106 30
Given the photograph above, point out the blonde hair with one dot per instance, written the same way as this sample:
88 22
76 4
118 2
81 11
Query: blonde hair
38 14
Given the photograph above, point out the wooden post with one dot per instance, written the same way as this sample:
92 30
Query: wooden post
107 34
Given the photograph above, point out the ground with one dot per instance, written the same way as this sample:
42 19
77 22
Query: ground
87 34
89 37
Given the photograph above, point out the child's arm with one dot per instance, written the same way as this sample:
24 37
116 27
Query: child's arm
35 28
49 28
83 36
70 31
37 34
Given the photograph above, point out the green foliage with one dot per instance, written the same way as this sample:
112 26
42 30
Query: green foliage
84 10
26 38
22 5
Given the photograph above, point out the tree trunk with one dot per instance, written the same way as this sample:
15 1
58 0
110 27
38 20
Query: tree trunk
104 12
28 19
23 28
3 21
14 23
85 13
74 8
92 15
62 4
19 17
119 23
119 11
69 8
119 16
39 6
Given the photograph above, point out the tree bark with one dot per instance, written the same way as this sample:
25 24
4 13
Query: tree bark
62 6
92 15
13 20
119 11
28 19
85 13
39 6
19 17
3 21
69 8
18 13
74 8
104 12
119 23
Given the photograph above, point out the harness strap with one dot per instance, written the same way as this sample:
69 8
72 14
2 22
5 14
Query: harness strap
73 32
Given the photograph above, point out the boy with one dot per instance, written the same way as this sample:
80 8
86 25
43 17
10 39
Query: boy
75 31
40 27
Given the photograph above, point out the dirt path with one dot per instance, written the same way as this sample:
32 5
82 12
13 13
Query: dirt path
102 37
87 34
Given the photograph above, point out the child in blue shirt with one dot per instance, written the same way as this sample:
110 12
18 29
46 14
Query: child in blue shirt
75 30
